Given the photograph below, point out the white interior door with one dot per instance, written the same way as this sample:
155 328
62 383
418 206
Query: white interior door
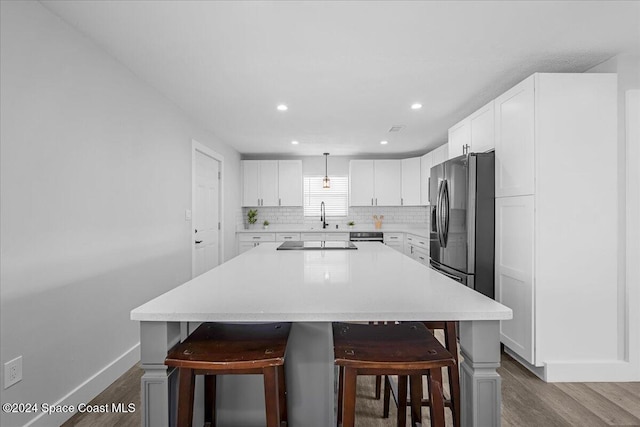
206 215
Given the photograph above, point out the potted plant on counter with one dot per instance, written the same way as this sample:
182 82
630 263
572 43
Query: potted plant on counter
351 224
252 217
265 224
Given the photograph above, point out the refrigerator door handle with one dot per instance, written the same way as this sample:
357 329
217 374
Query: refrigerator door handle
445 217
439 213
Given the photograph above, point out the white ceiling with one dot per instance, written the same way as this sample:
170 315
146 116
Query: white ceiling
347 70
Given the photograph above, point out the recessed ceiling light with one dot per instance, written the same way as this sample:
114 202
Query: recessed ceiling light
282 107
384 142
416 106
294 142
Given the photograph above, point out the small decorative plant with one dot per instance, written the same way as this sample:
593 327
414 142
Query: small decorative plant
265 224
252 216
351 223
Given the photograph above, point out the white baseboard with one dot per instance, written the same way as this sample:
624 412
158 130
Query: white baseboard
90 388
580 371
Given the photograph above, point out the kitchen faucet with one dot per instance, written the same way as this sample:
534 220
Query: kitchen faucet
323 215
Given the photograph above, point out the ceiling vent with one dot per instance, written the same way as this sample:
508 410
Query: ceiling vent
396 128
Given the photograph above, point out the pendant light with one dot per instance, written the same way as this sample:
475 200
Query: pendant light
326 182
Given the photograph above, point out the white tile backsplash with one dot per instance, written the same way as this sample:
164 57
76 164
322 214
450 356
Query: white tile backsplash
360 215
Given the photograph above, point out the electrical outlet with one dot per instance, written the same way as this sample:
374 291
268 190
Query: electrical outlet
12 372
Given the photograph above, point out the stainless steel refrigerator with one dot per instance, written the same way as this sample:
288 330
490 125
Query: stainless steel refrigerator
462 200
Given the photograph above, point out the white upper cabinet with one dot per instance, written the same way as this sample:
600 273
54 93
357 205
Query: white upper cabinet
361 183
474 134
375 182
481 129
388 182
290 182
263 183
250 190
268 182
439 155
425 172
459 139
514 127
411 181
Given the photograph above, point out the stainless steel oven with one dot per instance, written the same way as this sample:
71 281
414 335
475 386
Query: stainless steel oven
366 236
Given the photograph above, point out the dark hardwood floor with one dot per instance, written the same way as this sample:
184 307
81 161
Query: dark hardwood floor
526 401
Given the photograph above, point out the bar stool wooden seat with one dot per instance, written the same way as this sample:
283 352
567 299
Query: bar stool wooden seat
451 344
408 350
222 349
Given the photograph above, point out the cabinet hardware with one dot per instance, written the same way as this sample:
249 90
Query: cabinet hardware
198 241
256 237
401 201
372 201
279 202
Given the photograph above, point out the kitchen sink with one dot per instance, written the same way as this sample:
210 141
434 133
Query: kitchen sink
315 246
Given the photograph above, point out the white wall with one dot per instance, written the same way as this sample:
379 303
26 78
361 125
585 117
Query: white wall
627 67
95 179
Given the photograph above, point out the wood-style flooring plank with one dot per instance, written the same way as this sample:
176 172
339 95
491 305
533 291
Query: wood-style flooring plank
618 395
125 389
560 403
608 411
523 408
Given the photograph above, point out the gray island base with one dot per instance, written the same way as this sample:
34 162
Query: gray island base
312 289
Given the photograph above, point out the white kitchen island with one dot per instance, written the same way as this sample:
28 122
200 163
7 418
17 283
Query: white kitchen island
313 289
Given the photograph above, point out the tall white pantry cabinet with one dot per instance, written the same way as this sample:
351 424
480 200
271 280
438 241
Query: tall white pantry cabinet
556 213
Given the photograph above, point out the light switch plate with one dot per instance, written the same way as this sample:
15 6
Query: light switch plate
187 215
12 372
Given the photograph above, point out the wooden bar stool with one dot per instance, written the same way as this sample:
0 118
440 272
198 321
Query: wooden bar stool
451 344
222 349
408 350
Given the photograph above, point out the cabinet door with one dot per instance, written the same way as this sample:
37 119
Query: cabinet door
514 127
481 129
439 155
420 255
245 246
425 172
388 182
459 139
250 196
268 182
338 237
290 182
361 183
514 272
411 182
305 237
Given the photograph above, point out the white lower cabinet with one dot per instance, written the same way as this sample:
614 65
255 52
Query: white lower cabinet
248 241
319 236
340 237
285 237
417 247
514 272
394 240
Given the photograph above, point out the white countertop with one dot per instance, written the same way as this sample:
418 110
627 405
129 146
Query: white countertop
374 282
